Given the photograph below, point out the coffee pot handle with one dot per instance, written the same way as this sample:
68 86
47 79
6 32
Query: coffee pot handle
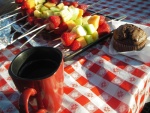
24 98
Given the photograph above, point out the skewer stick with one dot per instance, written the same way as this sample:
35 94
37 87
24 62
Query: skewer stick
12 23
118 19
31 28
43 26
32 37
23 35
17 30
121 18
111 13
13 2
11 12
99 11
28 31
93 4
9 16
57 45
80 1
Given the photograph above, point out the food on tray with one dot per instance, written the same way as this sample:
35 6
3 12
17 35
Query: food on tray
86 33
70 20
67 38
129 37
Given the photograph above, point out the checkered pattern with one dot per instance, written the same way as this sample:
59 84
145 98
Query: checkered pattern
108 83
136 11
95 82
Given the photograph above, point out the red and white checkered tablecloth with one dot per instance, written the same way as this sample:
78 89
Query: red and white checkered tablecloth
95 81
